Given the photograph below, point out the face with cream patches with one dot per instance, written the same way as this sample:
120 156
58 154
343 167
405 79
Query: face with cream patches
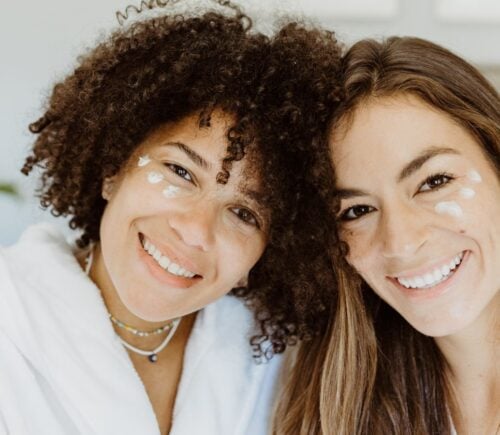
173 239
420 212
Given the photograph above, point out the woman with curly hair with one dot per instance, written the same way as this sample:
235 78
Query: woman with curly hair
413 343
176 149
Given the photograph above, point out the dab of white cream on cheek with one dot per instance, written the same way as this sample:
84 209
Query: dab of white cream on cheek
171 191
143 160
467 193
474 176
450 208
154 177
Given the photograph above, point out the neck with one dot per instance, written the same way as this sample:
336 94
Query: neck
116 307
472 357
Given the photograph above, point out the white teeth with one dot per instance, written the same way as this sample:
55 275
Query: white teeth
174 268
429 278
432 278
165 262
405 282
445 270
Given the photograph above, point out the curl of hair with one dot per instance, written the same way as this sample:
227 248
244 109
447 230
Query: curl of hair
298 92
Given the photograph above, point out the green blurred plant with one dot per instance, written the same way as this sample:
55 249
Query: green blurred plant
9 189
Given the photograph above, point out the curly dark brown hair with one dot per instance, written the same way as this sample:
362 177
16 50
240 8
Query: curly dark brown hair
165 68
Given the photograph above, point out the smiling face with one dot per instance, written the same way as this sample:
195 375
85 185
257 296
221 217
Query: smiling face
420 212
173 239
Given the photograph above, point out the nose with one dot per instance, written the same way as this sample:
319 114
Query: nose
403 231
195 226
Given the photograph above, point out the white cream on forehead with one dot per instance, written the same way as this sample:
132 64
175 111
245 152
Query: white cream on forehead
449 207
154 177
171 191
467 193
474 176
143 160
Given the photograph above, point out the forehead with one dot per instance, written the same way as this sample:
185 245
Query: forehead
390 131
211 140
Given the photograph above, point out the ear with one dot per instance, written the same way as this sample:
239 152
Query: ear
108 186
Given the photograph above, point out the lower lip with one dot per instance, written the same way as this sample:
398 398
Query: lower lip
161 274
437 290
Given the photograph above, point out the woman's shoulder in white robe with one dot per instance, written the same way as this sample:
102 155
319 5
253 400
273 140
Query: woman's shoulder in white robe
63 370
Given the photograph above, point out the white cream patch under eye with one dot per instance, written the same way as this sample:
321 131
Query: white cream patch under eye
467 193
143 160
474 176
450 208
154 177
171 191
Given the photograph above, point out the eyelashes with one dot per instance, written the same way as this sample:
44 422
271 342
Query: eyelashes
355 212
180 172
246 216
435 182
432 183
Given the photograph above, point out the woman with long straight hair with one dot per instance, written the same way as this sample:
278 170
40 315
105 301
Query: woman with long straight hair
413 341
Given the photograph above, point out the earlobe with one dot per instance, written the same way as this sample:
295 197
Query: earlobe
108 187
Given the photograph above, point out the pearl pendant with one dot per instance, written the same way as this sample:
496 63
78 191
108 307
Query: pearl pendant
153 357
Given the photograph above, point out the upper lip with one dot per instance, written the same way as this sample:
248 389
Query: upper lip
182 261
422 270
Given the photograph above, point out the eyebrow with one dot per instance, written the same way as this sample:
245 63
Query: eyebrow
193 155
349 193
408 170
420 160
254 195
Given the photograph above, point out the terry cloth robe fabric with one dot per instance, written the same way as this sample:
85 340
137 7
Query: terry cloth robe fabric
63 370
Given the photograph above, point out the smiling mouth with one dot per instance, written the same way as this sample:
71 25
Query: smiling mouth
164 262
434 277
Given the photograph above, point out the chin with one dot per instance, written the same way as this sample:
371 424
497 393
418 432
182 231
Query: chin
445 326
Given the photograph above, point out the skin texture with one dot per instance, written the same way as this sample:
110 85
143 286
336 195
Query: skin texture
398 231
210 229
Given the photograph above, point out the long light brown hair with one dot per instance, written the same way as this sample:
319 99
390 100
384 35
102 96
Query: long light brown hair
373 373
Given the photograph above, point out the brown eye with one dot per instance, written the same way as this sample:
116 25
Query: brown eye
246 216
435 182
356 212
179 171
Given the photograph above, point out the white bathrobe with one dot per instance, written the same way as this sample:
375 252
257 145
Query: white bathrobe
64 371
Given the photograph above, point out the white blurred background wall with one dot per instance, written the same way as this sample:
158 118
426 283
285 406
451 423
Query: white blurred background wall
40 40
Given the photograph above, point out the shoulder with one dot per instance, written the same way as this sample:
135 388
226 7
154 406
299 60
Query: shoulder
39 269
39 237
40 251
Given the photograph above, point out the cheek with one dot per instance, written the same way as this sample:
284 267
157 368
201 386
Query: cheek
360 254
240 253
